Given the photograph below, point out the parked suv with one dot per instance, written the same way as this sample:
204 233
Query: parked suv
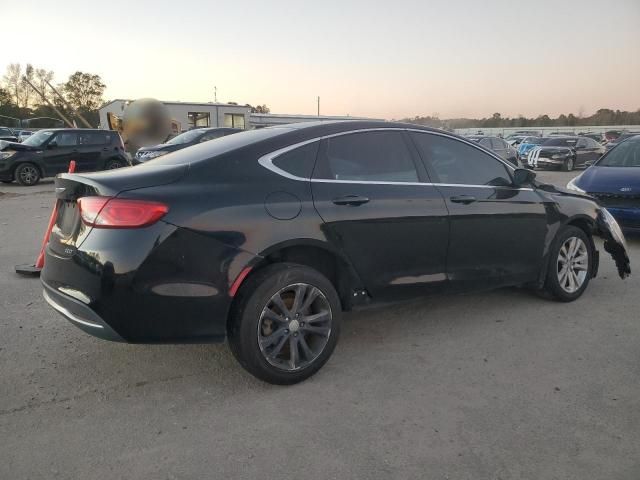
48 152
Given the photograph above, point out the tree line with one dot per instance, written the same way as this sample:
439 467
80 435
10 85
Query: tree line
21 88
604 116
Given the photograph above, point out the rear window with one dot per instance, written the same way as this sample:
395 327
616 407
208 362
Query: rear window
300 161
207 150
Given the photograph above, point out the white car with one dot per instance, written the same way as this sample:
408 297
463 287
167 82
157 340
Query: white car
23 135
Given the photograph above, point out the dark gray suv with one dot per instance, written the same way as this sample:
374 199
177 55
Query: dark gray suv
48 152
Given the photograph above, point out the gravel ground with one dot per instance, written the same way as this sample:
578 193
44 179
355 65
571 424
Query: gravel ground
498 385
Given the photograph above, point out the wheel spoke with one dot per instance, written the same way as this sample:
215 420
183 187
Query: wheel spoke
277 301
298 297
278 348
562 276
270 340
293 352
317 317
271 315
322 331
308 354
312 294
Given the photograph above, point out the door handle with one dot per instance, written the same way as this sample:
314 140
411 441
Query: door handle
465 199
353 200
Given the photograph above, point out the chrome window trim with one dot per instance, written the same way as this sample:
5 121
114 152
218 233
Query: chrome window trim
267 162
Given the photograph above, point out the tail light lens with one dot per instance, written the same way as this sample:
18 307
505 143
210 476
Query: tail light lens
108 212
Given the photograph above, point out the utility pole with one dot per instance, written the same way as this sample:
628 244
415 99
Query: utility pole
66 120
318 105
86 124
215 94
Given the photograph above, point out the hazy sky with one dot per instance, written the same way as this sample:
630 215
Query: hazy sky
386 59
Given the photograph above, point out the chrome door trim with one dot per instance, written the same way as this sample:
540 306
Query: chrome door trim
267 162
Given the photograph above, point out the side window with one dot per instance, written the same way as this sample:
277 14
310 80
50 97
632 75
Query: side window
380 156
497 144
486 143
456 162
66 139
582 143
300 161
93 138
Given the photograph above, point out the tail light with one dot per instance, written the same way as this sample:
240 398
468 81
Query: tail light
108 212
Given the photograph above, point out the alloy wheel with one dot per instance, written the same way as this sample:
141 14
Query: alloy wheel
573 264
294 327
29 174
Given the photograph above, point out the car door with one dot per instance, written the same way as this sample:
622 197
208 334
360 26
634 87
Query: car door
497 231
60 150
92 146
379 209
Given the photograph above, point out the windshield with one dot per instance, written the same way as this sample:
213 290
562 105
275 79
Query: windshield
38 139
186 137
626 154
534 140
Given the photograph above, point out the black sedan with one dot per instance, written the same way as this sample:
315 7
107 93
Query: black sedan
565 153
264 237
499 146
184 140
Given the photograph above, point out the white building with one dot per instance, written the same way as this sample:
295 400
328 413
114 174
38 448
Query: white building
193 115
190 115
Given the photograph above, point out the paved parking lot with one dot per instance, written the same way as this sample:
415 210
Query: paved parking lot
498 385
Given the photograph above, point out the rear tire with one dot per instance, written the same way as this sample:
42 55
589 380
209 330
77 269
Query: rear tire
294 343
27 174
113 164
568 165
570 265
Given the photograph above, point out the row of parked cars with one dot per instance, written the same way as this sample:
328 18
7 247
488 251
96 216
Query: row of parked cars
560 151
48 152
14 135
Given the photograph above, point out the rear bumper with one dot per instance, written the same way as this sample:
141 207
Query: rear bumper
161 284
79 314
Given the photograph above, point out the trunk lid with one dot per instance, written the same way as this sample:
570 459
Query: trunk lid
69 231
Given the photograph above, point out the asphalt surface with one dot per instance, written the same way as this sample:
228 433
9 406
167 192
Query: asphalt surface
498 385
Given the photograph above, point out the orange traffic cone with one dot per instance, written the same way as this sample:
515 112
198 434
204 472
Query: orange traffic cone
34 270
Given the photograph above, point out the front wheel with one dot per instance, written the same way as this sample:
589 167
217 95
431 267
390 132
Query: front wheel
27 174
285 323
571 265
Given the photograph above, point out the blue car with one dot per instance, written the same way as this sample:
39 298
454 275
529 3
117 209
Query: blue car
527 144
615 181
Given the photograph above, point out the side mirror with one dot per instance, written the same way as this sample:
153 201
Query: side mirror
523 176
52 144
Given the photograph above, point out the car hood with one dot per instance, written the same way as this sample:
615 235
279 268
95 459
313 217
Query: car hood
610 180
554 149
4 145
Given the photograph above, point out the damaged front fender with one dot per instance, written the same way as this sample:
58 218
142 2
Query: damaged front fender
614 241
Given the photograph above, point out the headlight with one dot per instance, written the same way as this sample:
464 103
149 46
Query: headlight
5 155
616 231
572 186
